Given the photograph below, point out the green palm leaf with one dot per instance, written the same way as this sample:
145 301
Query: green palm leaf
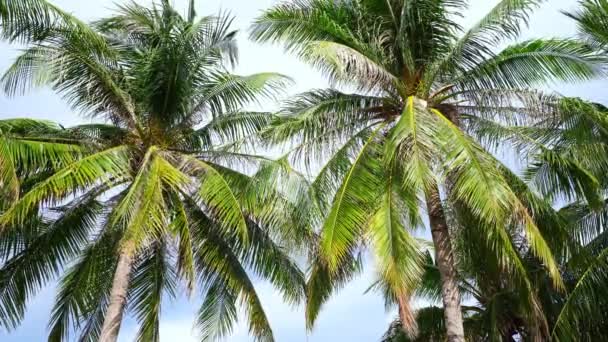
352 204
103 167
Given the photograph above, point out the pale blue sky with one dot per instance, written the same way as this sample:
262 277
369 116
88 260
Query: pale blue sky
350 315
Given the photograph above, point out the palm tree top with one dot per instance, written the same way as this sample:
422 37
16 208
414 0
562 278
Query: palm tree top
150 71
419 48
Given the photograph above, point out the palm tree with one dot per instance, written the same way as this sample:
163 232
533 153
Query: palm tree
497 305
127 209
578 137
591 26
496 312
401 142
496 308
569 153
568 162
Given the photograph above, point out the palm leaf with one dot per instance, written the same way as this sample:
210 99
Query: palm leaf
152 279
43 258
99 168
352 204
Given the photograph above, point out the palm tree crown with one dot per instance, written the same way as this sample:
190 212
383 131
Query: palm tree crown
132 206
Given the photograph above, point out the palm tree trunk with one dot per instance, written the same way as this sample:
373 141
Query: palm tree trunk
118 298
444 257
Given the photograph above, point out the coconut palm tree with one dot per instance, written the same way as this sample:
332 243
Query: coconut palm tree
577 136
496 305
568 153
150 198
399 143
495 311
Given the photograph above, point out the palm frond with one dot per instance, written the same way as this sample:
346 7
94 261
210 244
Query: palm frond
297 23
143 209
100 168
152 279
214 192
218 312
223 274
481 186
34 21
534 62
347 66
322 283
590 29
180 228
82 299
411 145
353 204
43 258
227 93
230 128
399 258
504 21
272 263
585 303
555 173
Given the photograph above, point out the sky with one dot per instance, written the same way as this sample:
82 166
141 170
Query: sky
350 315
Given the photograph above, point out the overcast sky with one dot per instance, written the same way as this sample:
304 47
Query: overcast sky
349 316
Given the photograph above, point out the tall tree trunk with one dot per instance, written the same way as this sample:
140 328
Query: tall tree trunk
118 298
444 257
